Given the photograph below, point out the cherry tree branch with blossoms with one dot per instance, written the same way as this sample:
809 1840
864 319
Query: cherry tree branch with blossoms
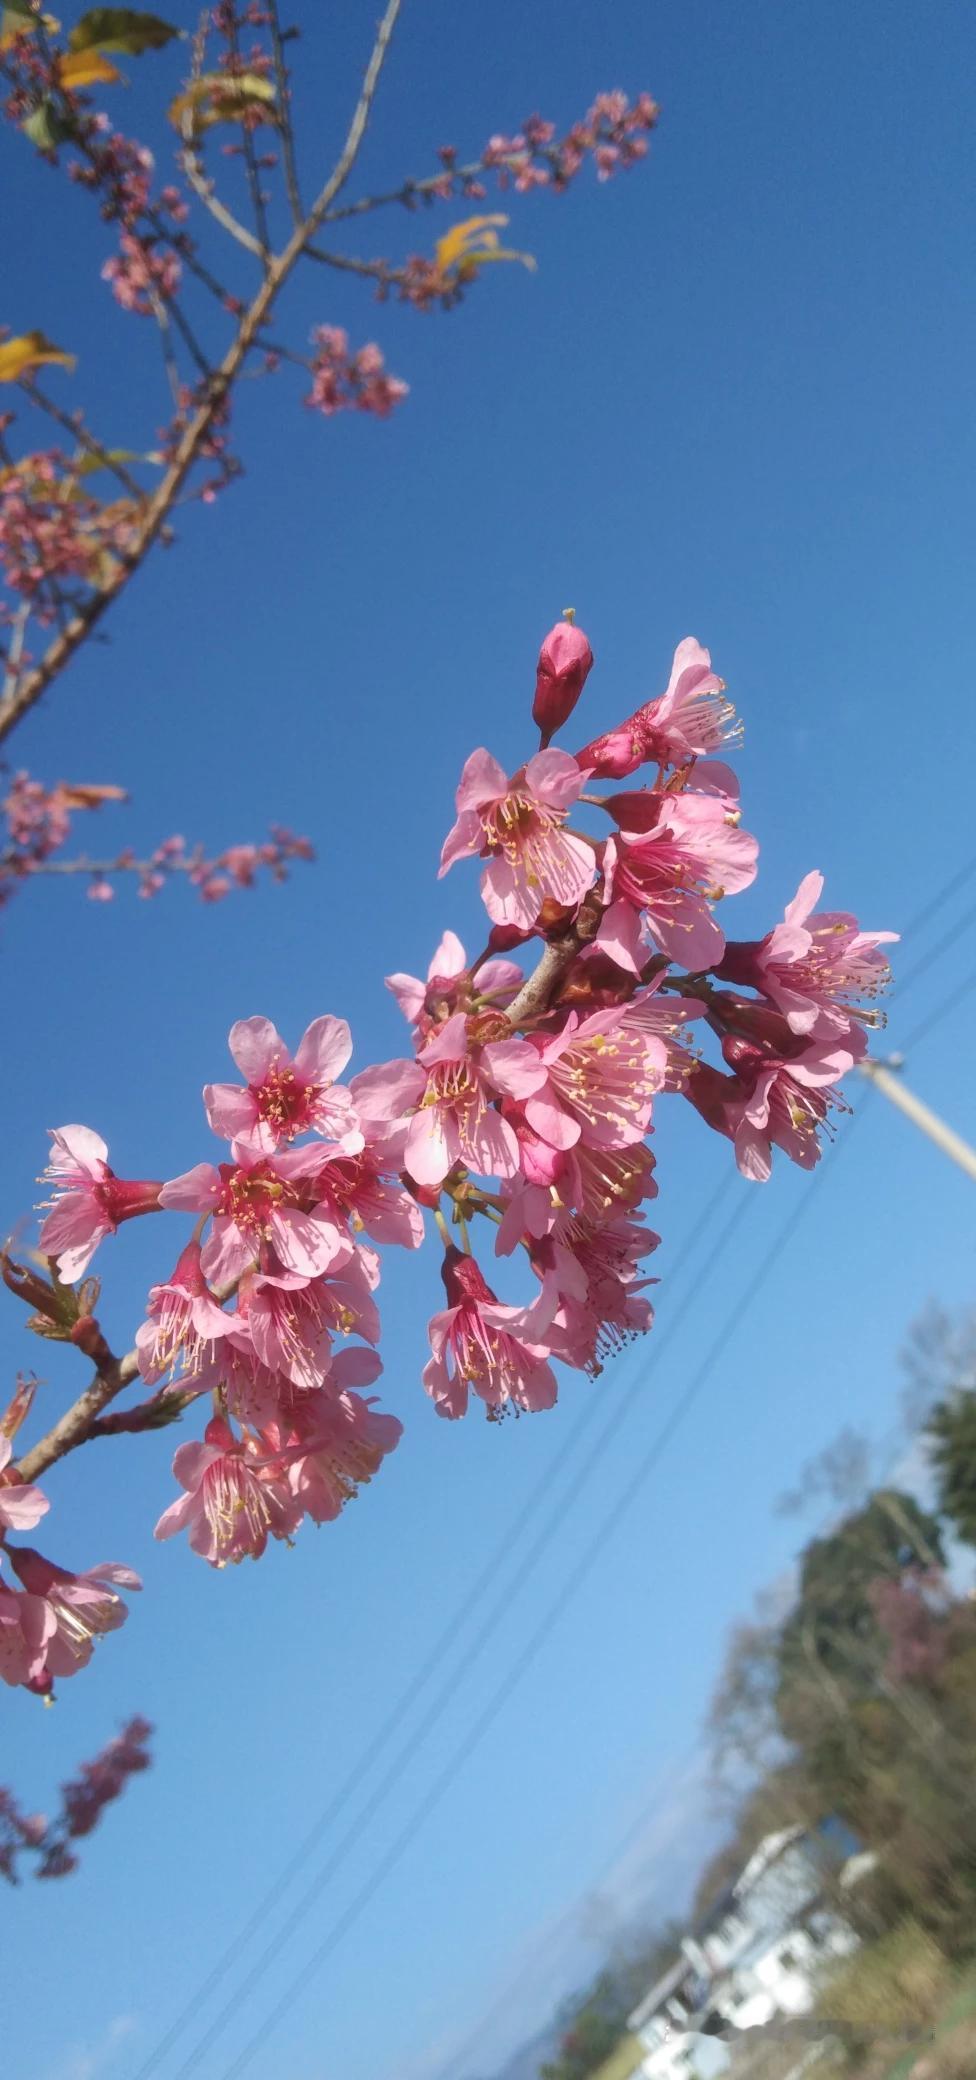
66 554
83 1802
516 1127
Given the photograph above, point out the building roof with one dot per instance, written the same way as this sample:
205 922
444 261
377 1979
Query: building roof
661 1991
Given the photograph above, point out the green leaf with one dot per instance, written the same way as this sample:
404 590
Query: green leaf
46 128
86 464
121 29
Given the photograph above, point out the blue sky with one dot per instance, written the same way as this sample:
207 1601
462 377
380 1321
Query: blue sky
735 401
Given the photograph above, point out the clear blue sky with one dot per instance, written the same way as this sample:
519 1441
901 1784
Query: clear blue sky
736 401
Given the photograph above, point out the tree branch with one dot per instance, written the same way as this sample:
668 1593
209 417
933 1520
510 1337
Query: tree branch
74 1426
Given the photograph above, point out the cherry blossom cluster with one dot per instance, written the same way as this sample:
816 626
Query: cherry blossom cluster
520 1113
53 533
343 380
38 821
83 1801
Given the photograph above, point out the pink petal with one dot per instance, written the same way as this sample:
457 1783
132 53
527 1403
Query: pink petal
230 1110
305 1242
225 1253
550 1121
555 778
492 1147
355 1367
431 1147
409 992
621 937
78 1148
323 1050
514 1067
450 1042
464 837
388 1091
179 1514
449 958
22 1506
507 896
255 1044
194 1191
482 781
805 900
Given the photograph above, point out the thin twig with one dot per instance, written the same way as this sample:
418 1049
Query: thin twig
250 159
79 433
72 1428
203 187
287 127
15 648
15 706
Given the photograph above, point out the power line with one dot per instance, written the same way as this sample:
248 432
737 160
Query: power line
445 1695
935 952
941 1011
537 1639
446 1640
942 895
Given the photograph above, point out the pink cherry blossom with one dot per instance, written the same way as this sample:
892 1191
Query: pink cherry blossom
592 1302
340 1443
601 1076
21 1505
813 966
692 717
90 1201
284 1095
518 825
693 856
450 986
477 1342
287 1321
27 1624
448 1093
83 1607
185 1322
258 1199
781 1102
236 1497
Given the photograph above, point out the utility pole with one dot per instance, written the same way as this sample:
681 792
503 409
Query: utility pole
885 1078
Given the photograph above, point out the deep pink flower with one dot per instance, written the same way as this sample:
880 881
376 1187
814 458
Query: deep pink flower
781 1102
364 1190
258 1199
565 660
287 1321
451 987
185 1322
83 1606
476 1342
692 717
90 1201
21 1505
284 1095
592 1301
235 1497
692 857
601 1074
518 825
813 965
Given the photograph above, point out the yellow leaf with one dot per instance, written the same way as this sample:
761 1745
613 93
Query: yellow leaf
467 246
220 97
86 69
29 350
14 22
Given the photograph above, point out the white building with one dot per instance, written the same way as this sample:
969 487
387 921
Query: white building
757 1952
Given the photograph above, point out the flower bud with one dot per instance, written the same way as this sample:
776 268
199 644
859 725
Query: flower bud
564 661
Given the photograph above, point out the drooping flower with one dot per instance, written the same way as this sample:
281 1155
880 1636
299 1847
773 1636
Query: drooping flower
592 1303
565 661
284 1095
185 1322
236 1497
21 1504
26 1625
337 1446
479 1343
814 966
517 825
451 987
782 1103
90 1201
83 1607
259 1198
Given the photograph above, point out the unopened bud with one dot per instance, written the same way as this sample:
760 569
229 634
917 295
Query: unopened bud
564 661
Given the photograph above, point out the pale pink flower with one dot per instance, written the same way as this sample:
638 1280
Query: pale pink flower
781 1102
592 1301
287 1321
692 717
364 1189
27 1624
258 1199
448 1094
518 825
565 661
477 1342
601 1074
90 1200
83 1606
450 986
235 1497
185 1322
284 1095
21 1505
692 857
341 1443
813 966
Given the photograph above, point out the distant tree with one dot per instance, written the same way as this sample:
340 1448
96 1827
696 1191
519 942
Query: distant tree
952 1442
